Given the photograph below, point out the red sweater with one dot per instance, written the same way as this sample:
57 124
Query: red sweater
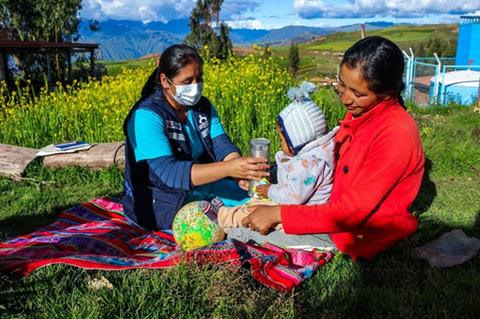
378 172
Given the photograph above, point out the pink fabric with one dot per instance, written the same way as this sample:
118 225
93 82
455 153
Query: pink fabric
97 235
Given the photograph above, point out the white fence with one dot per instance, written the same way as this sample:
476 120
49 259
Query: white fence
431 81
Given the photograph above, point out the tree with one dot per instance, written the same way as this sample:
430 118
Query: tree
42 20
225 47
267 51
204 22
293 59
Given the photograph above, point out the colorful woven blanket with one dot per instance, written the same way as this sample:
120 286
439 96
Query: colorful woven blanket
97 235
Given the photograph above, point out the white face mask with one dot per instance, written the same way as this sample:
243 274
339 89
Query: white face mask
189 94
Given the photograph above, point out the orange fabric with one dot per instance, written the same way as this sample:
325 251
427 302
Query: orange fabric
379 169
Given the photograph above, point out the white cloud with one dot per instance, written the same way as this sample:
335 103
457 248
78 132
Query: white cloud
232 9
310 9
159 10
144 10
245 24
91 9
476 13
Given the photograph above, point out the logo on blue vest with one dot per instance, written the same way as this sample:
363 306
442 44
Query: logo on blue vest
202 122
173 125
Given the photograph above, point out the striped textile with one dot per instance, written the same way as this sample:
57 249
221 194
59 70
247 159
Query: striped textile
97 235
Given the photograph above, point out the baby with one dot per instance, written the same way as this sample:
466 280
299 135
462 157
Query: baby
305 165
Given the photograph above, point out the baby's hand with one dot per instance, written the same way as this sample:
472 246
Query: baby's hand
262 190
243 183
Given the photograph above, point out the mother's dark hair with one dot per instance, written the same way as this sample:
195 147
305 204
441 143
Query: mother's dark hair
172 60
382 65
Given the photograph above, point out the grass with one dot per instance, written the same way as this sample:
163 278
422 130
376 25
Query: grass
115 67
395 284
404 36
313 63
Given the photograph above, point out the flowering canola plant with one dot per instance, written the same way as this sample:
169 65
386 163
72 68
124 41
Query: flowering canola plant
248 93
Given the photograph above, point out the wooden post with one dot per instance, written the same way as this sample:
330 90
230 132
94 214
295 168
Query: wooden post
362 30
49 68
92 62
69 65
3 67
7 77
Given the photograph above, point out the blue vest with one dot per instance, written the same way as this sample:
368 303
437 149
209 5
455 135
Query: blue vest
146 200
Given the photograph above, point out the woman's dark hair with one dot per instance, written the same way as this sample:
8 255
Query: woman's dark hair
173 59
382 64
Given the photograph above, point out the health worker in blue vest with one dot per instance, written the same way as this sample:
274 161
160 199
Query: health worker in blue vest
176 148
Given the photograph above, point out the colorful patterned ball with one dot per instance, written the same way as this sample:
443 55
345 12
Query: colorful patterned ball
195 226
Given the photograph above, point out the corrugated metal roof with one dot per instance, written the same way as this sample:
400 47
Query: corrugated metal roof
470 20
15 44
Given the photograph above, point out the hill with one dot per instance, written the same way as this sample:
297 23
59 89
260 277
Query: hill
320 57
123 39
321 54
404 35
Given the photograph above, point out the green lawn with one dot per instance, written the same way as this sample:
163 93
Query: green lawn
395 284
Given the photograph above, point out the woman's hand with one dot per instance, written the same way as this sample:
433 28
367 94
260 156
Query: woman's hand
232 156
262 218
240 168
249 168
242 183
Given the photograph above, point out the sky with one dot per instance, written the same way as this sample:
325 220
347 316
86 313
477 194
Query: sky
273 14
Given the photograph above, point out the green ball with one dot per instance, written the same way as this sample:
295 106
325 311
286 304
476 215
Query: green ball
195 226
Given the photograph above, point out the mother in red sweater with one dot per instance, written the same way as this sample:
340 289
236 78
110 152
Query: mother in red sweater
379 161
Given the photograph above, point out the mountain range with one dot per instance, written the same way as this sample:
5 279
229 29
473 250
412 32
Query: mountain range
125 39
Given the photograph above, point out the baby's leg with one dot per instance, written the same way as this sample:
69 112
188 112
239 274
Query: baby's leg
231 217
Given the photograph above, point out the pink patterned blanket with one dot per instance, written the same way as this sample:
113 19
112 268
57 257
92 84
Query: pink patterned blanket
97 235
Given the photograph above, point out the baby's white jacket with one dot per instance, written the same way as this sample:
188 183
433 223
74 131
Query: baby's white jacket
307 177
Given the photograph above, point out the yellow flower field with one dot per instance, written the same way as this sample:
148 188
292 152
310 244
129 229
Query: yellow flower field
247 92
